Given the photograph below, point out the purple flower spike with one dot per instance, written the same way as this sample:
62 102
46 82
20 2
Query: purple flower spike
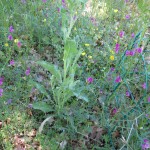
127 53
44 1
121 34
9 101
1 92
30 106
144 85
127 16
132 53
23 1
19 44
1 80
114 111
63 3
139 50
58 9
10 37
149 99
11 29
132 35
12 62
127 93
146 144
117 48
118 79
89 79
27 72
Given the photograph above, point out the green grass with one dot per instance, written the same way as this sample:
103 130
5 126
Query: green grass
87 118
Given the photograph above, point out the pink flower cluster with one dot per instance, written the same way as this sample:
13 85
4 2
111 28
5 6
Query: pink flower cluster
133 52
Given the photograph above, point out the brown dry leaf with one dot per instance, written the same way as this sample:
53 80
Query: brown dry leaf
32 133
19 143
1 124
7 121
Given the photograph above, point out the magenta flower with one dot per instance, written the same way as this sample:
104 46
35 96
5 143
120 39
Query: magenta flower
117 48
112 69
44 1
126 1
11 29
1 92
58 9
27 72
12 62
127 16
149 99
127 93
63 3
10 37
90 79
139 50
146 144
118 79
127 53
121 34
132 53
114 111
132 35
144 85
1 80
19 44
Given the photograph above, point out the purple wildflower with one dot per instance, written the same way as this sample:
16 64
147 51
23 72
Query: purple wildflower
44 1
114 111
146 144
139 50
126 1
121 34
117 48
132 35
19 44
118 79
149 99
63 3
1 92
9 101
23 1
127 53
112 69
1 80
30 106
89 79
144 85
132 53
27 72
12 62
11 29
58 9
10 37
127 93
127 16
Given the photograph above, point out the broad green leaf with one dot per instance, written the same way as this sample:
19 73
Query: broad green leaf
70 49
40 87
52 68
81 96
43 106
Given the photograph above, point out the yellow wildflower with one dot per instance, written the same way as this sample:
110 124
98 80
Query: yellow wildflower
75 29
87 45
83 53
16 40
90 57
115 10
6 45
112 57
44 20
